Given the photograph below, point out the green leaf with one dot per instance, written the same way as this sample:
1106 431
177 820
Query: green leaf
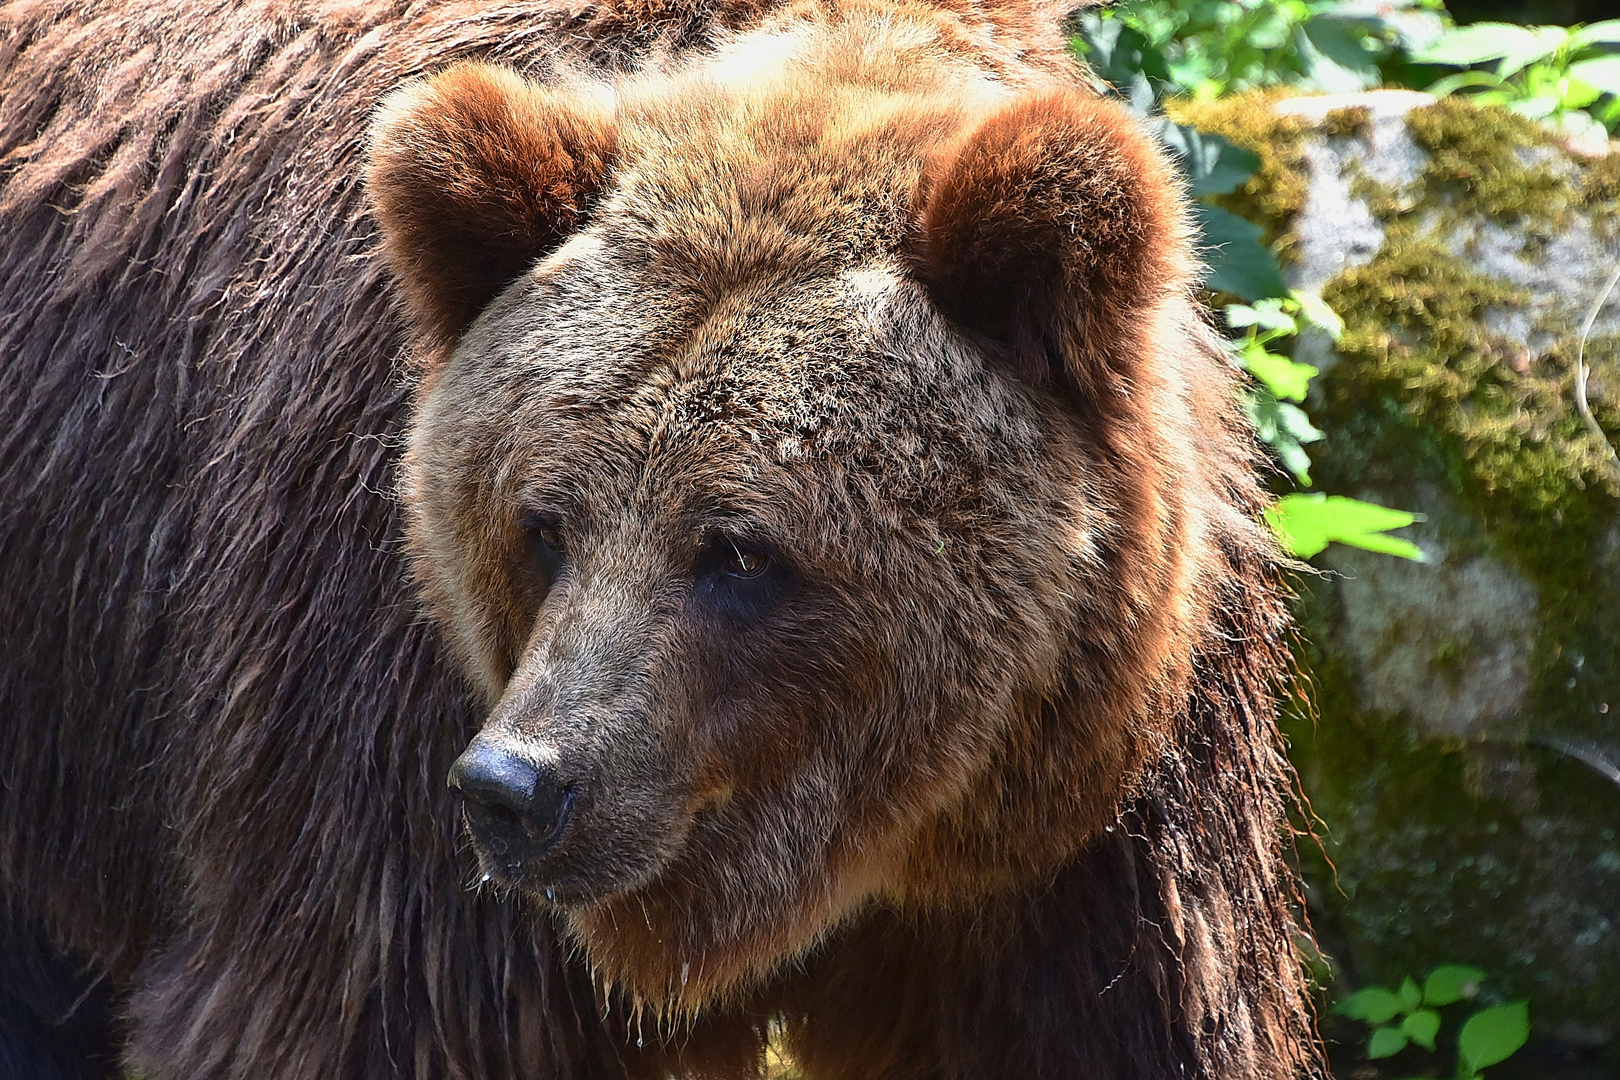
1421 1027
1451 983
1308 523
1297 424
1548 40
1575 94
1606 33
1385 1042
1411 997
1284 377
1214 166
1284 428
1375 1004
1335 58
1494 1035
1474 44
1268 314
1463 80
1121 55
1239 263
1536 108
1514 46
1318 314
1600 74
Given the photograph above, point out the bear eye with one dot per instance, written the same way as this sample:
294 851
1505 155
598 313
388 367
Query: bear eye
549 535
545 545
746 562
738 579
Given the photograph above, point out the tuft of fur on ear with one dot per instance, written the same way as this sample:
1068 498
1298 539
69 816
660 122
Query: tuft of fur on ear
1056 228
475 173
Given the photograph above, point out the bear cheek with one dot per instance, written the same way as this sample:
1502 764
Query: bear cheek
461 574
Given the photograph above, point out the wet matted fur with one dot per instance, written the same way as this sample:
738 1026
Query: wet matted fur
222 787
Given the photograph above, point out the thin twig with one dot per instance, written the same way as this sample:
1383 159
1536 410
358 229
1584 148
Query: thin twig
1582 371
1587 753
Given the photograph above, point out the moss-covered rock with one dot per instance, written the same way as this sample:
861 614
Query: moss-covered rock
1276 193
1465 708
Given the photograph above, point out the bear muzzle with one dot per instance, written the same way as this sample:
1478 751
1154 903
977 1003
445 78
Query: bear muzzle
568 827
517 809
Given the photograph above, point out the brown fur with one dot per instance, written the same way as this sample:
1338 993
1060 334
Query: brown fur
987 786
480 170
1056 219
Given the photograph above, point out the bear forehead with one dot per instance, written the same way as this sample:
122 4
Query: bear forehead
593 367
812 163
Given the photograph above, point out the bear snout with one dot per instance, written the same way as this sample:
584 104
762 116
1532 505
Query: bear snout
517 810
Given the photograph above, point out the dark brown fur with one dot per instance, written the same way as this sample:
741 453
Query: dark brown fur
223 791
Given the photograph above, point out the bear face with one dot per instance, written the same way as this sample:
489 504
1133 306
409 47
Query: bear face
805 470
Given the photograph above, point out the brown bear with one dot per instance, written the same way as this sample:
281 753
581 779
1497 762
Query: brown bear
756 468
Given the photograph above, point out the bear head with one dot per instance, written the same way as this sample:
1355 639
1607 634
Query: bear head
805 467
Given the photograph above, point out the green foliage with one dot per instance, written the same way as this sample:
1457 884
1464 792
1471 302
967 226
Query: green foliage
1281 425
1208 49
1306 524
1567 75
1452 983
1409 1016
1492 1036
1421 1026
1131 48
1211 48
1240 263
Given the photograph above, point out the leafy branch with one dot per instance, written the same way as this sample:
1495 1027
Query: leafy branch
1241 266
1409 1016
1567 75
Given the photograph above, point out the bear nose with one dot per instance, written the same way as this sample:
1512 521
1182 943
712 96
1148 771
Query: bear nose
515 805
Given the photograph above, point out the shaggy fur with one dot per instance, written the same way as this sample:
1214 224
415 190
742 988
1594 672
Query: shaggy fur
481 171
1052 223
985 785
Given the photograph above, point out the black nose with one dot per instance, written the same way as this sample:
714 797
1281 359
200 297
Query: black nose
514 806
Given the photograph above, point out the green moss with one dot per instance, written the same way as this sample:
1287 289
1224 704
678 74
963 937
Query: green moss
1424 365
1435 850
1597 193
1420 352
1424 383
1426 388
1352 123
1430 855
1492 162
1599 183
1450 660
1276 193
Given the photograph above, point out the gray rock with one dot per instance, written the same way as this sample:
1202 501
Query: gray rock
1447 642
1466 759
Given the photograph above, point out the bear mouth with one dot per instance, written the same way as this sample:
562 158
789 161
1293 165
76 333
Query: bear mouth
565 862
538 878
518 850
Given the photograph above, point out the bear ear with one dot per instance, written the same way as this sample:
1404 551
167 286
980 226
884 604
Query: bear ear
1055 228
475 173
